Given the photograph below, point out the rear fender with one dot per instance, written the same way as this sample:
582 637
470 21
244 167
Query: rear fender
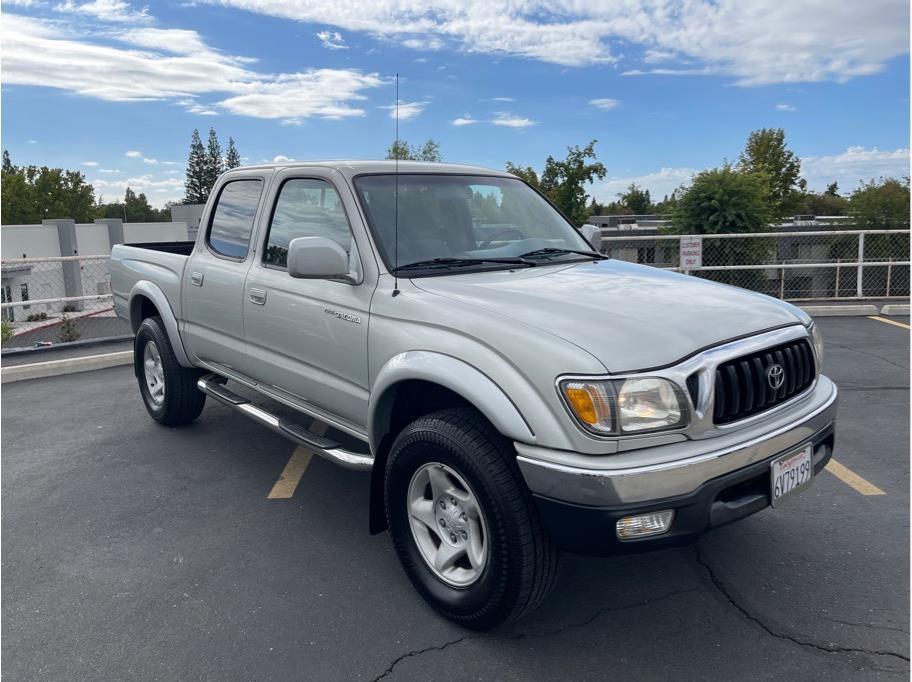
147 289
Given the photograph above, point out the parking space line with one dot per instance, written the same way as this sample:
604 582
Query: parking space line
884 319
291 475
853 480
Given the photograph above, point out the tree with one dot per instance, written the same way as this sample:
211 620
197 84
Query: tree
767 155
195 189
402 150
825 203
232 157
526 173
31 193
214 164
723 200
564 181
881 204
832 190
636 199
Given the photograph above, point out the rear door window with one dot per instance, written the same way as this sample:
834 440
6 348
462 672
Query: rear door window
232 220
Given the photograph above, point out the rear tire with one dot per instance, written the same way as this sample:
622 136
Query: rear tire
478 491
168 390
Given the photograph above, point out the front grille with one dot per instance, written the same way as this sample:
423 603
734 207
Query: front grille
743 385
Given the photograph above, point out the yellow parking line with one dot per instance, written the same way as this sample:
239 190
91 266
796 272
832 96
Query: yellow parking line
291 475
884 319
853 480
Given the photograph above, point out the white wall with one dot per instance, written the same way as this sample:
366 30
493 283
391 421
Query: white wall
138 233
92 239
31 241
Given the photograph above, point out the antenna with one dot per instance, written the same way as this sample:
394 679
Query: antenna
396 200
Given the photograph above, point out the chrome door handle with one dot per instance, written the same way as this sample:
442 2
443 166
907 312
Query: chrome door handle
258 296
196 279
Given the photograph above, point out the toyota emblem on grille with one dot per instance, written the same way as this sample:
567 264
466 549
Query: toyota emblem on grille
775 377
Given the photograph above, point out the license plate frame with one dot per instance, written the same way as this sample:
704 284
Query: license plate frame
801 462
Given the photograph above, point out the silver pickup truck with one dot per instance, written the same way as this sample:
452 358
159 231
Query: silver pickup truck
512 391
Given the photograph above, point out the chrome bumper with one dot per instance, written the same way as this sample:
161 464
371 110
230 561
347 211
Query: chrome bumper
675 468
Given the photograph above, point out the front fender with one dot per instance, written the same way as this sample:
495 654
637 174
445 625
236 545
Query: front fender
453 374
152 292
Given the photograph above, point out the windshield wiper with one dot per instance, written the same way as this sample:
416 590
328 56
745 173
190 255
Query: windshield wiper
460 262
551 251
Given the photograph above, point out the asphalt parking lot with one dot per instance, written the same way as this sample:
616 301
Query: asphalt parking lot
134 551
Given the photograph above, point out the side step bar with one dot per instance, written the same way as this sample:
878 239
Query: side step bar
214 386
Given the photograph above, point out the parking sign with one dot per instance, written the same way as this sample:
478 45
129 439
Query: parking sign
691 253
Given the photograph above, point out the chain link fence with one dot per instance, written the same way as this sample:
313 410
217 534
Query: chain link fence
794 266
48 301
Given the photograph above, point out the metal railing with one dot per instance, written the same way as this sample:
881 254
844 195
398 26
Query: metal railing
51 300
794 266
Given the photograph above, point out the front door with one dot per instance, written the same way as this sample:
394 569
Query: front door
308 337
213 286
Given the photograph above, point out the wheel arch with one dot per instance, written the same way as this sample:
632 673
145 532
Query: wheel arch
147 300
417 383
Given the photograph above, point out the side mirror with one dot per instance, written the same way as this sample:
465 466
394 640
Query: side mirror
593 235
317 258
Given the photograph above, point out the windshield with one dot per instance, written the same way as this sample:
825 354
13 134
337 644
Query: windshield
469 221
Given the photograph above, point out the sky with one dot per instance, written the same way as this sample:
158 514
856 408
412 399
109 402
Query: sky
667 87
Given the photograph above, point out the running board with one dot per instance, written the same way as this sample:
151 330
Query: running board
214 386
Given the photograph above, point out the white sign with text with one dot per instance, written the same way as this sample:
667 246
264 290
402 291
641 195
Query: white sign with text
691 253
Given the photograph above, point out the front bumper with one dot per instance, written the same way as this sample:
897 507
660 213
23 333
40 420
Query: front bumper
711 482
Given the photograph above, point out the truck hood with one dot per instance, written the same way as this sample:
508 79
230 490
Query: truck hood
630 317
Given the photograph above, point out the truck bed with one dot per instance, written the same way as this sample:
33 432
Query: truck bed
156 263
182 248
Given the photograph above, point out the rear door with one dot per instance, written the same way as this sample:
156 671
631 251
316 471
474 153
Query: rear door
213 286
308 337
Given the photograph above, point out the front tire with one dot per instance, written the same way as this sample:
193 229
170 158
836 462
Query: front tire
168 390
463 523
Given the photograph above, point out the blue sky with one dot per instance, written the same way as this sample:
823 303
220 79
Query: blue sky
668 87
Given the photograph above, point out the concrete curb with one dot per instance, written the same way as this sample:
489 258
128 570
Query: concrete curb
36 370
841 310
896 309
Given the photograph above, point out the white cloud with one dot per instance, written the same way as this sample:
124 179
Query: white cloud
158 190
112 11
108 171
653 56
465 120
407 110
849 168
511 121
429 43
659 183
605 103
502 99
785 107
280 158
175 65
325 93
332 40
854 165
757 42
90 164
133 154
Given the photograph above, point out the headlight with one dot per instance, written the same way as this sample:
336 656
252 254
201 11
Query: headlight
817 338
622 406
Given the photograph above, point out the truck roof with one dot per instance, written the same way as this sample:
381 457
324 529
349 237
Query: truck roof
350 167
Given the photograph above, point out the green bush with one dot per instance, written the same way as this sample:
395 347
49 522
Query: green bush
68 331
6 331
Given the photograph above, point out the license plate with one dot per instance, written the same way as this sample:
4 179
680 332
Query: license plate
791 473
